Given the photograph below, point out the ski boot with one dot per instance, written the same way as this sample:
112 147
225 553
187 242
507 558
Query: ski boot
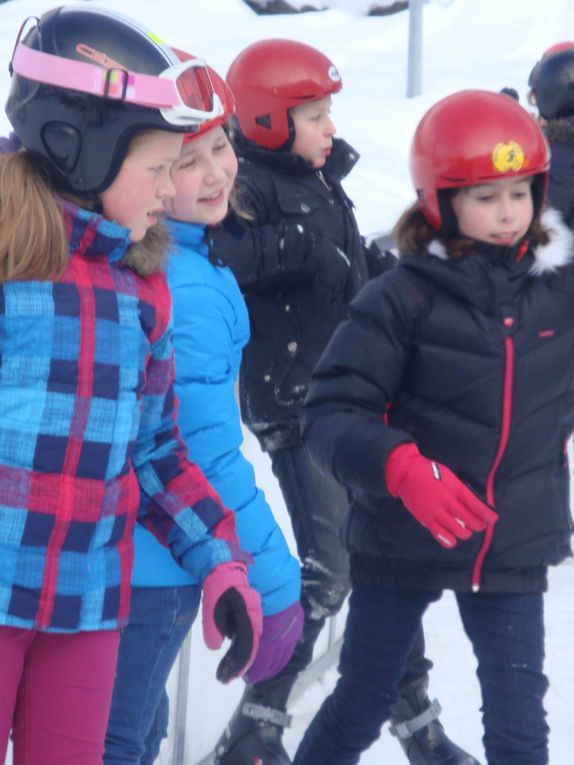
253 737
415 723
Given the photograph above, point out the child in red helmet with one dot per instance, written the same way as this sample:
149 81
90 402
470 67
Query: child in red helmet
465 347
299 259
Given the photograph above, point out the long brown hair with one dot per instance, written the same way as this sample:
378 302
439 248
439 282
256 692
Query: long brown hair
33 243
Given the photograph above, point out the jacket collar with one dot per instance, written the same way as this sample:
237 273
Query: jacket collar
338 165
190 235
91 235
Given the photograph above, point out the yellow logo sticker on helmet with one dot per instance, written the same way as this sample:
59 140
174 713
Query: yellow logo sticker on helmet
508 156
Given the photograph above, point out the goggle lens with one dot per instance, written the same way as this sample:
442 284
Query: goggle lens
195 88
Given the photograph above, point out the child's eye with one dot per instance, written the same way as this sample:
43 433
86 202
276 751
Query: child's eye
485 198
187 164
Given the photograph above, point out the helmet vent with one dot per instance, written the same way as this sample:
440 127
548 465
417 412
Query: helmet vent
264 120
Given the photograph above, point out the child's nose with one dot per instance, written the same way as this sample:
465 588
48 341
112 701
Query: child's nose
505 209
166 190
330 129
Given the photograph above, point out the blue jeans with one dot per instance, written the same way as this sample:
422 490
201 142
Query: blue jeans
507 634
160 618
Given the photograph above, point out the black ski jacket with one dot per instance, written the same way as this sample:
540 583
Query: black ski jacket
291 322
473 360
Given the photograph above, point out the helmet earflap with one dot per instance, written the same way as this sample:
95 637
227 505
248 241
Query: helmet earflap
474 137
63 144
271 77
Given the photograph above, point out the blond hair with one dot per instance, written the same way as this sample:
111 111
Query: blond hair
33 242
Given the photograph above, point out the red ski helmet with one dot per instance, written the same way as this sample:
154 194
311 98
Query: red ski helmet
85 80
272 76
473 137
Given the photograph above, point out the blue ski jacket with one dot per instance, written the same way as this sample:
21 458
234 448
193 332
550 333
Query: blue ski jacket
211 328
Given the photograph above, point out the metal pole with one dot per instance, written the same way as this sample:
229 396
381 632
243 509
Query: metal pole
414 81
181 701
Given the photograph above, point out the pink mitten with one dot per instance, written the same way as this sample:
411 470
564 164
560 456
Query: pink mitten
232 609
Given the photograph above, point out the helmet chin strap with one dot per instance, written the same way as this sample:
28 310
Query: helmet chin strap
449 223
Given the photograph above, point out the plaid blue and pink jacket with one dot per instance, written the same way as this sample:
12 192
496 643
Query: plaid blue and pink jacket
88 437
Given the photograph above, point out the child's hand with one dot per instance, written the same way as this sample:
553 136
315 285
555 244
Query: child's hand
231 608
281 633
435 496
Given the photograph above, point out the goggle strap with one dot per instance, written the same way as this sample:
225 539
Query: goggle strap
119 84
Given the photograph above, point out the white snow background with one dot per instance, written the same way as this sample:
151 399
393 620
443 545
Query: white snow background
467 43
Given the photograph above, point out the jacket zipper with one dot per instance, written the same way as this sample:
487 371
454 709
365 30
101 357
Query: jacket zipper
508 322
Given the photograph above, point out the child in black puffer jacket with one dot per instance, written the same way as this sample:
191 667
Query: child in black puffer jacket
443 404
299 259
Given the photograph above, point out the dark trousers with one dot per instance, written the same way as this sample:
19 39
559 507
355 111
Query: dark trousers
507 634
317 506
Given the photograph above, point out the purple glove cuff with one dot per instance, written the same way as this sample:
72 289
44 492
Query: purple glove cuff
281 633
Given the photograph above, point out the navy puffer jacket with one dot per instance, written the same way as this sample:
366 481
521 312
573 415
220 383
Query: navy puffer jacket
473 360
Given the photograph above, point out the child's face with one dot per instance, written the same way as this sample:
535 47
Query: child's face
203 177
314 131
136 197
499 212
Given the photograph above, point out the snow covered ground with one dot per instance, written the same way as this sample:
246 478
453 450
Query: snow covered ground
467 43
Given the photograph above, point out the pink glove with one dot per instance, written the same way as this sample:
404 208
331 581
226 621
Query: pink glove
281 633
231 609
435 496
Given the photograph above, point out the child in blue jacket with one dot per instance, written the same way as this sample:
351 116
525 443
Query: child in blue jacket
211 327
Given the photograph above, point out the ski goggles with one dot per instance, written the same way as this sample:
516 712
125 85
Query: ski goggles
183 93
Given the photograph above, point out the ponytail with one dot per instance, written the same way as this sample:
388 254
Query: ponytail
33 242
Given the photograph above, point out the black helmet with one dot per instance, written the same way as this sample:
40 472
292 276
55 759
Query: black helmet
85 80
553 85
